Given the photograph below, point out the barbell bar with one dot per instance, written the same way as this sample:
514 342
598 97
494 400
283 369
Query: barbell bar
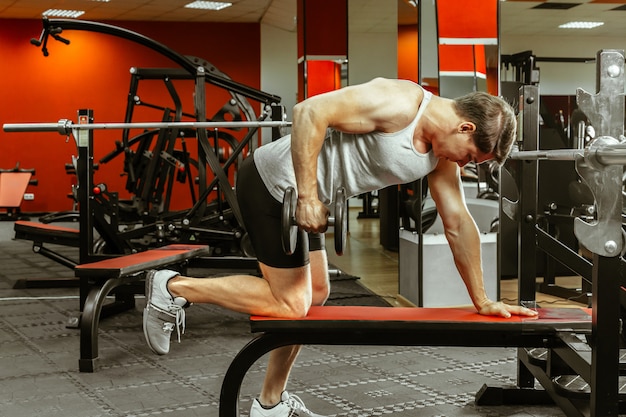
66 126
612 154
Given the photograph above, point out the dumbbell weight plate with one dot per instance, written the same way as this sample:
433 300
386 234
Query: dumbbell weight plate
341 221
289 227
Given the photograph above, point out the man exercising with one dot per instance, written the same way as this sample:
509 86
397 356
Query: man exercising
363 137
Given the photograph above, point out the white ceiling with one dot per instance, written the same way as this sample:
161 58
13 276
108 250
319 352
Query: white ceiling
517 16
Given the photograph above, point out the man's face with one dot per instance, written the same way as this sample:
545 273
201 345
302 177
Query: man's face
460 149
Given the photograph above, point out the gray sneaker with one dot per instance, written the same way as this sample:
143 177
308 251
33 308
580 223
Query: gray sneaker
163 312
289 406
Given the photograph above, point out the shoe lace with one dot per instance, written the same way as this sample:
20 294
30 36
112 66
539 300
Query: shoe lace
179 320
296 404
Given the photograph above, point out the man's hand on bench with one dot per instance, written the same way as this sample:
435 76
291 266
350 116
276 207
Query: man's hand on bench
497 308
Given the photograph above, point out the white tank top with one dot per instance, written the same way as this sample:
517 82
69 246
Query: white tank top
359 162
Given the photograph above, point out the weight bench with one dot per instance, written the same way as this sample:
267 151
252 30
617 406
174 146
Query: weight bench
40 234
98 279
395 326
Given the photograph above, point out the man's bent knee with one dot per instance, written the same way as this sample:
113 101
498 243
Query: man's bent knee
291 290
296 304
320 294
295 309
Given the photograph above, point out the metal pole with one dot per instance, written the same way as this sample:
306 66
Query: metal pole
556 154
65 127
612 154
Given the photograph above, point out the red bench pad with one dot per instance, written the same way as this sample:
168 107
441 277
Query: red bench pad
140 261
355 317
34 226
47 233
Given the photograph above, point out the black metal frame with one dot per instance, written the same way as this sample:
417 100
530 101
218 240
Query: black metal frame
599 367
202 73
525 66
596 360
54 27
371 331
112 274
94 289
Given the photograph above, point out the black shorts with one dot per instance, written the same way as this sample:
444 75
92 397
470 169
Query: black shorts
262 219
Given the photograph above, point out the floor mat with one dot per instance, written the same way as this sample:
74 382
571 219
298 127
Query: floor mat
39 362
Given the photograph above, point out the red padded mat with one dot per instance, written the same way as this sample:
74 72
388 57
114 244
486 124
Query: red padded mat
24 224
360 313
145 257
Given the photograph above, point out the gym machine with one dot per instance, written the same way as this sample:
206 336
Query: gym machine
153 167
580 373
100 235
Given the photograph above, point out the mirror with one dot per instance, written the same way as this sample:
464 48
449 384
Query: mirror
468 47
447 52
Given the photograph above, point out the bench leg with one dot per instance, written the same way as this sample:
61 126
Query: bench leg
90 319
48 282
247 356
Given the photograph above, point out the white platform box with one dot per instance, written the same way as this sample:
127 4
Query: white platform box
442 285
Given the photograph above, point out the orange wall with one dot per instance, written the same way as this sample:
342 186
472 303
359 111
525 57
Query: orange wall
93 72
408 61
407 52
478 21
408 48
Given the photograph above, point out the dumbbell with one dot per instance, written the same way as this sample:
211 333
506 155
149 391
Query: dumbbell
290 227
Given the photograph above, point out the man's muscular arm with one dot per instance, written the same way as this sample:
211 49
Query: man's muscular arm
381 104
464 239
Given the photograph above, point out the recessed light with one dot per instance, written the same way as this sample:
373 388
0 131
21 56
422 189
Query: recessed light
63 13
581 25
208 5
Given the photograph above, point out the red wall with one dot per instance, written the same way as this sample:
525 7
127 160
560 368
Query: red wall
479 21
408 52
93 72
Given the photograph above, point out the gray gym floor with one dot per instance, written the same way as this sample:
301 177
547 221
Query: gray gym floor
39 362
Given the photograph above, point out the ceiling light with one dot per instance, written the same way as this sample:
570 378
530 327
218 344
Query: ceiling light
581 25
208 5
63 13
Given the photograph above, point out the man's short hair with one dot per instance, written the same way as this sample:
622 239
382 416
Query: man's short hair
495 121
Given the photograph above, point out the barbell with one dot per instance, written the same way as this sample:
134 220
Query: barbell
613 154
66 126
610 153
290 227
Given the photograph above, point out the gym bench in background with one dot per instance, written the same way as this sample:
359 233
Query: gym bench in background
41 234
98 279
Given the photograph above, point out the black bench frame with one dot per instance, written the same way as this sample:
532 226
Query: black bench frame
372 332
98 279
40 234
